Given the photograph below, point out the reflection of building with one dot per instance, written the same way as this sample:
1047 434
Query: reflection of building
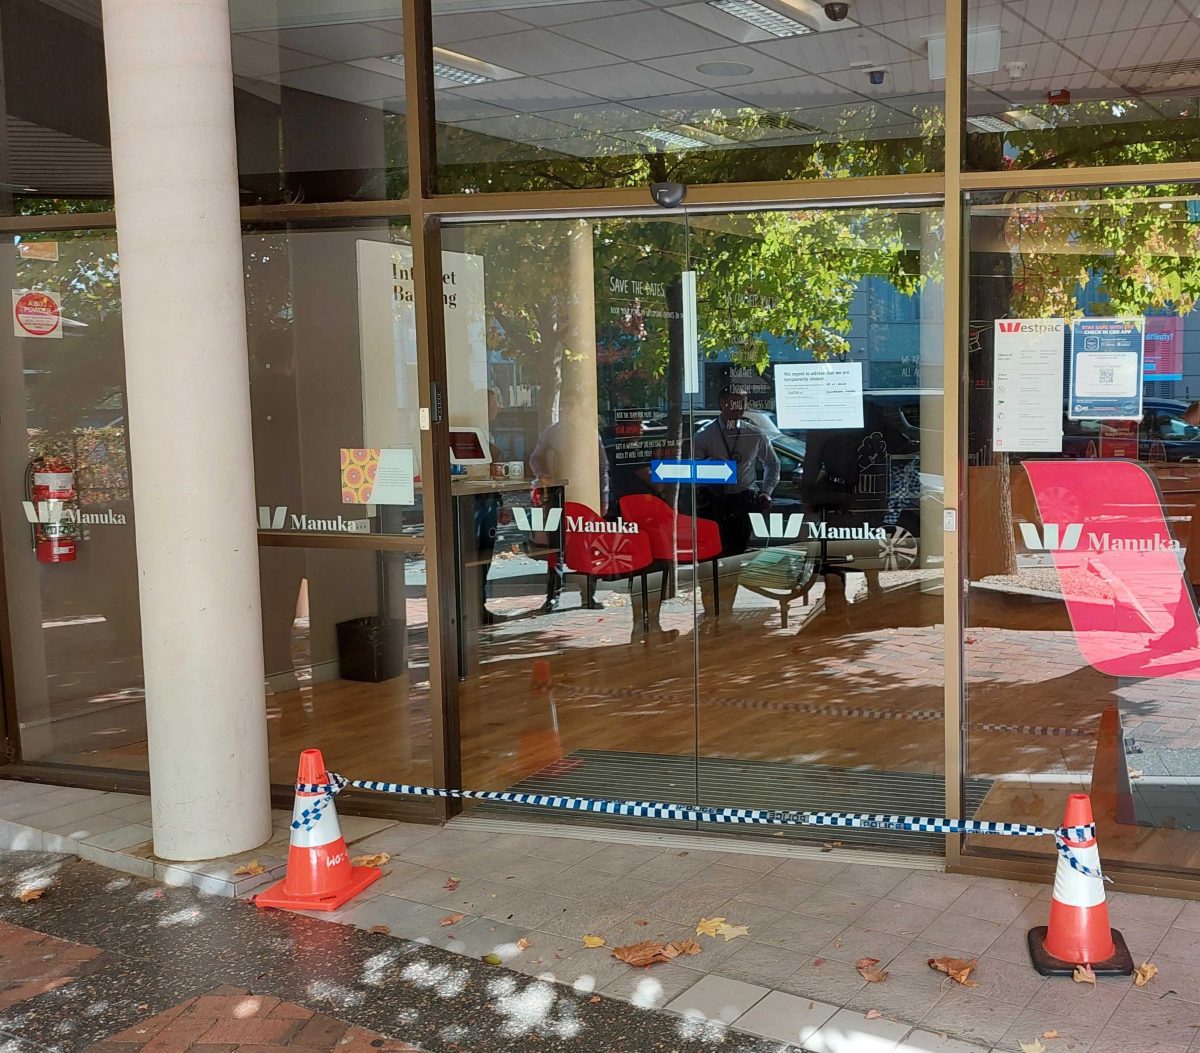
415 640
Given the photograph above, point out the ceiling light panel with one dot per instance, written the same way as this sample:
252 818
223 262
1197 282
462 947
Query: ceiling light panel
762 17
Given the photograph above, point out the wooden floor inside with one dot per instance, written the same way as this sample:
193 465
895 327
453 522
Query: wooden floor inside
864 691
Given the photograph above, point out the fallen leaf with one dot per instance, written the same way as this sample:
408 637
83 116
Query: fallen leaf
594 999
709 926
1144 973
377 860
958 970
686 946
30 894
641 921
732 932
380 930
253 868
1050 1034
522 944
873 975
873 1014
1135 773
670 952
642 954
865 963
450 919
1031 1047
837 943
1083 975
493 959
818 961
451 884
593 941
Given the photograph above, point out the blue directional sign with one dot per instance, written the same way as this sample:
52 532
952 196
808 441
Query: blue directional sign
706 473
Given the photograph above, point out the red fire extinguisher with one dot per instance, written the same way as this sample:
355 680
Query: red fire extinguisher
50 482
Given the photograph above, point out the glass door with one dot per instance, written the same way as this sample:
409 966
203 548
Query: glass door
816 421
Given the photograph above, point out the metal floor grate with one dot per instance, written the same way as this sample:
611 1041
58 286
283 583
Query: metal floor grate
743 784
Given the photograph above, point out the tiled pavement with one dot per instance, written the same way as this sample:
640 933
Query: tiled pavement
791 978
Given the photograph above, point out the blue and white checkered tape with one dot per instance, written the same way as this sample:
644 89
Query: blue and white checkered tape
695 813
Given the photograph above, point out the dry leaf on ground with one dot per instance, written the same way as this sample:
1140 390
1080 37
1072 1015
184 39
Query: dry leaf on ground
1031 1047
837 943
1083 975
451 884
376 860
643 954
493 959
30 894
594 999
873 1014
593 941
865 963
868 969
450 919
522 944
1135 773
641 921
253 868
958 970
709 926
1050 1034
732 932
380 930
1144 973
686 946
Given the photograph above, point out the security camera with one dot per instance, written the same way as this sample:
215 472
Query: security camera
668 195
837 12
876 76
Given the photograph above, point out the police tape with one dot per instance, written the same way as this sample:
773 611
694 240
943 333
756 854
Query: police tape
307 817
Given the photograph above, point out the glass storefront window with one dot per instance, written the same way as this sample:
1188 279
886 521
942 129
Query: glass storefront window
55 155
1074 85
1082 642
319 99
70 560
333 392
763 631
533 96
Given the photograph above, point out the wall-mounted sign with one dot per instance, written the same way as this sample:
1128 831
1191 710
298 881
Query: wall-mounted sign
37 314
1027 387
38 250
378 477
1106 368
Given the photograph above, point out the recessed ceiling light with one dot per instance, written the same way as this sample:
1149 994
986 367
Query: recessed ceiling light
725 69
444 71
990 124
762 17
456 68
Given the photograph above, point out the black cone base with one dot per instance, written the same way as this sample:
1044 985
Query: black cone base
1120 964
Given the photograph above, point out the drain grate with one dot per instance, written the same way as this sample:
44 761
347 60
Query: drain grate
725 783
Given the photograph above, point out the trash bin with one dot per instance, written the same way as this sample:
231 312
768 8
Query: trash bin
370 649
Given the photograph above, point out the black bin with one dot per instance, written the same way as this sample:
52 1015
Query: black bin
370 649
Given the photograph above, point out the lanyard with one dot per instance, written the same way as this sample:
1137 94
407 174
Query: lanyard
731 451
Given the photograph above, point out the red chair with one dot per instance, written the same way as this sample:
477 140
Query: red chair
672 539
604 554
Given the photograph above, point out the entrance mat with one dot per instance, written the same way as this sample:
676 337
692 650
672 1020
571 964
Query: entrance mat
723 783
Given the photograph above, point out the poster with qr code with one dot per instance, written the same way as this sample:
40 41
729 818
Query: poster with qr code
1107 358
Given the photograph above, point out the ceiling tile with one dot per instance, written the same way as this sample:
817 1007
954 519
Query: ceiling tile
764 67
628 80
536 51
789 92
341 82
561 14
645 34
450 108
518 127
1060 19
253 58
447 29
607 117
686 107
528 95
338 43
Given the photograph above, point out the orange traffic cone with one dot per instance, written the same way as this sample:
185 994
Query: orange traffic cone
540 675
319 875
1079 932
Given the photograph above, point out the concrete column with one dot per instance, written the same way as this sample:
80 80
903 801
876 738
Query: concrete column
170 99
581 456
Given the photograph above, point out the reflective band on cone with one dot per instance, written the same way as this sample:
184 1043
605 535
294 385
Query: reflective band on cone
319 873
1079 932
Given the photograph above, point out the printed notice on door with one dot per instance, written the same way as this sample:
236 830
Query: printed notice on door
378 477
1106 368
1027 385
819 395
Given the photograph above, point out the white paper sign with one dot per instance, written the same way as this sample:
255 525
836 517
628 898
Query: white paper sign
819 395
394 478
1027 392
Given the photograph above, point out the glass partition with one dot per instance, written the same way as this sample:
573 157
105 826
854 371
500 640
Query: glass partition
1082 643
533 96
1081 83
319 99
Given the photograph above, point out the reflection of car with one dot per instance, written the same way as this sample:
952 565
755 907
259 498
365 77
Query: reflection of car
1162 434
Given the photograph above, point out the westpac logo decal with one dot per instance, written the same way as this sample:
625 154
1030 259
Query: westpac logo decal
45 512
1055 537
277 519
1010 326
537 520
776 525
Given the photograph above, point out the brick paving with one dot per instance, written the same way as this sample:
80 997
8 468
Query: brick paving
32 963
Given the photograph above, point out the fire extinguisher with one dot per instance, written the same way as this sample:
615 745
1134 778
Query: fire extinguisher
50 483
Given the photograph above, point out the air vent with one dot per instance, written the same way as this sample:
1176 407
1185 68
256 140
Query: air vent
1160 78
